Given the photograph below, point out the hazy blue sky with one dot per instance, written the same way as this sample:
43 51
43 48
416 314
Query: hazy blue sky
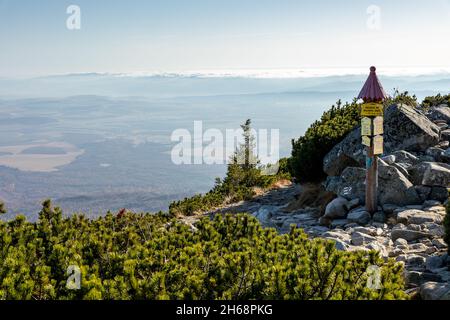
176 35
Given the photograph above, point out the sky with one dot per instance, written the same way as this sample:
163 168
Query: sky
131 36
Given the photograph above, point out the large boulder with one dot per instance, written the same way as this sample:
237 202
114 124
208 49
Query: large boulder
350 185
394 187
336 208
347 153
441 112
360 216
405 158
405 128
431 174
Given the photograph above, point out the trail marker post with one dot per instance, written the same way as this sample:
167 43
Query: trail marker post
372 131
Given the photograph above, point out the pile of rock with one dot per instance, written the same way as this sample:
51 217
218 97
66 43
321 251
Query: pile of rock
414 170
414 177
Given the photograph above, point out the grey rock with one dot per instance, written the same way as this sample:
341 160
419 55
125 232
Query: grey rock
338 223
439 243
406 128
435 291
340 245
405 158
415 260
336 208
431 250
359 238
434 229
337 235
325 221
401 242
439 193
414 227
445 157
378 247
436 153
379 225
431 203
390 159
441 112
350 184
403 170
347 153
423 192
408 235
426 158
431 174
359 216
389 208
264 213
445 135
418 217
434 263
379 216
399 226
417 248
352 204
332 184
366 230
417 278
395 188
444 144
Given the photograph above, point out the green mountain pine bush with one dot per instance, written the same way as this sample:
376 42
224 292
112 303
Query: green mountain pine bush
144 256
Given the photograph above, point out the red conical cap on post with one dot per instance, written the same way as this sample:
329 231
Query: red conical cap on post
373 90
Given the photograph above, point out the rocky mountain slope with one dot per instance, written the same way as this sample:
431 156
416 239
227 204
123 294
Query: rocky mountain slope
414 176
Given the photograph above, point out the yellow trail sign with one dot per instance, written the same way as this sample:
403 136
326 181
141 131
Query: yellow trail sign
378 145
371 109
366 141
366 126
378 126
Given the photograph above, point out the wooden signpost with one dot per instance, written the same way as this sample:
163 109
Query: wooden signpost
372 134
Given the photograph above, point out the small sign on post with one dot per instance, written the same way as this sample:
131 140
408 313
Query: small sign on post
378 126
366 126
366 141
371 109
378 145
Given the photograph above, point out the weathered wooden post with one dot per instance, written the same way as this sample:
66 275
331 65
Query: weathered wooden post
373 95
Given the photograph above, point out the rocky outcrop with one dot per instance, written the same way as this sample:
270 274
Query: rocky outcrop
394 187
406 129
